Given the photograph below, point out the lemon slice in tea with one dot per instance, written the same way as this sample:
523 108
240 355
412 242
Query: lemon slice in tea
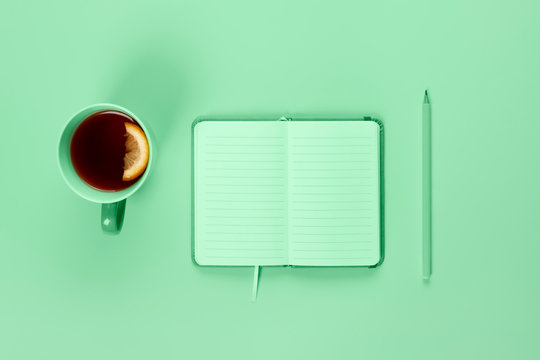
137 152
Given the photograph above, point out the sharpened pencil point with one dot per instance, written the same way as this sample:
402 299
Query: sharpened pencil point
426 98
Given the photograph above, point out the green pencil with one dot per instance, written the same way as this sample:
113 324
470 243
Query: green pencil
426 188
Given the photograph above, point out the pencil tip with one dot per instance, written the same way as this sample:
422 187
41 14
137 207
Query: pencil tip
425 92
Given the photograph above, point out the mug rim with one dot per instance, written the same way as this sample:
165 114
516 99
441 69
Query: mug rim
106 196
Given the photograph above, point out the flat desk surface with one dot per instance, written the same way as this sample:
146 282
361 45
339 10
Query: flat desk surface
70 292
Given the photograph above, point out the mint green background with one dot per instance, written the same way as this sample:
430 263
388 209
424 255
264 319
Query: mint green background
69 292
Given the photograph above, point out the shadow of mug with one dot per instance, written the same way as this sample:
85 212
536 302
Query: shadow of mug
153 86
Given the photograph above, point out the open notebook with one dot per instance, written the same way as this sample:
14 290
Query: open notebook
294 192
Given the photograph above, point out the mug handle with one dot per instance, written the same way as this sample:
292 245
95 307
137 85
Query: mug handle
112 217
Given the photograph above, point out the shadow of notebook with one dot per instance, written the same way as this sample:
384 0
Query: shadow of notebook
302 193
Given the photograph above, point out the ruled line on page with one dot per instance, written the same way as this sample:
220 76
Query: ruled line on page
329 153
337 171
354 209
339 137
332 201
244 145
330 145
333 209
332 185
243 137
242 161
331 226
243 225
243 249
243 193
332 178
331 217
254 257
243 169
333 233
256 185
332 258
244 177
244 233
330 161
244 153
333 193
245 241
246 201
244 217
329 169
242 209
333 250
334 242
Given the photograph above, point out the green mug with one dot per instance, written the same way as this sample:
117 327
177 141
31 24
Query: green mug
113 202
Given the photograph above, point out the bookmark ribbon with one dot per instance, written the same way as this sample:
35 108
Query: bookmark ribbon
255 288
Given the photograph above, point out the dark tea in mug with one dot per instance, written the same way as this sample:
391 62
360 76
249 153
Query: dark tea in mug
109 150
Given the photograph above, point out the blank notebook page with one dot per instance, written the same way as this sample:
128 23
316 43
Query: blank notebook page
240 193
333 197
